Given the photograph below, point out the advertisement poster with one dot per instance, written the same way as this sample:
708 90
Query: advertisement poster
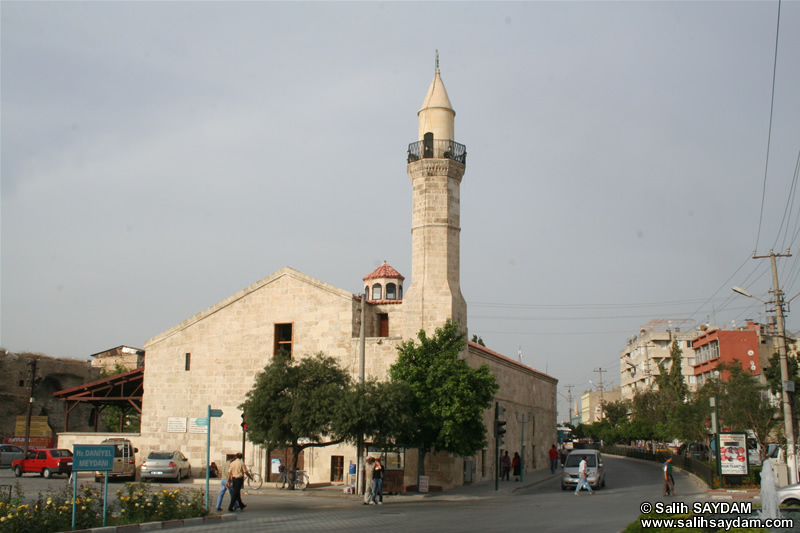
733 454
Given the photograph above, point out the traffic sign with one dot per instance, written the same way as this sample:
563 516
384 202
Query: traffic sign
216 413
93 457
201 421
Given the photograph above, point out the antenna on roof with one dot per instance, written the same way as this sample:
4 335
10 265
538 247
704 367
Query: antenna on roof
519 354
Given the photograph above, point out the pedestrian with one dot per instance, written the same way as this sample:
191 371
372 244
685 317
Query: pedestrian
223 485
553 459
563 454
669 481
370 466
516 464
582 478
213 470
505 463
236 474
378 475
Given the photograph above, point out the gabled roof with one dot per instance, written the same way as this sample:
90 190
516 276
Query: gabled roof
383 271
508 360
284 272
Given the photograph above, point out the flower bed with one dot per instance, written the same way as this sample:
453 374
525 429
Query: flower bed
135 504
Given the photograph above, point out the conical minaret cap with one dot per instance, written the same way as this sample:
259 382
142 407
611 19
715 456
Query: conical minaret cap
437 114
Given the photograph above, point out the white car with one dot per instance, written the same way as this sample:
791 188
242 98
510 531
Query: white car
595 470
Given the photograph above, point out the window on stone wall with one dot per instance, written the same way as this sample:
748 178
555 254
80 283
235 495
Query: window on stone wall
283 339
391 291
187 364
377 291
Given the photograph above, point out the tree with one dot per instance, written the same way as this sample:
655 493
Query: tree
448 395
380 411
116 418
295 403
743 402
617 412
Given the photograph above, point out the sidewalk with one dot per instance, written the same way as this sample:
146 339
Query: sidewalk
484 489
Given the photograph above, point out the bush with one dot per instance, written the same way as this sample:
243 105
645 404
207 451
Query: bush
53 512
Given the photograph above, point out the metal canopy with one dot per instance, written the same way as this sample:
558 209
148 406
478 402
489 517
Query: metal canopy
123 390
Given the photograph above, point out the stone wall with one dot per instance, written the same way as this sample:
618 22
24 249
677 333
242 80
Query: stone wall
52 375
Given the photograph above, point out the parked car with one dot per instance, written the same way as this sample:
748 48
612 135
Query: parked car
789 495
124 460
44 462
697 450
166 465
10 453
595 470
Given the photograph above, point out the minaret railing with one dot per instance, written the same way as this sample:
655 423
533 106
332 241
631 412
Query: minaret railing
437 149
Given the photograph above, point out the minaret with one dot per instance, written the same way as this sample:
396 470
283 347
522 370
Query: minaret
436 164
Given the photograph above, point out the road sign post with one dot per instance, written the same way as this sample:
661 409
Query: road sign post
91 458
210 413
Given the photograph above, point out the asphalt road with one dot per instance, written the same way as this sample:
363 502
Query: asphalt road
542 507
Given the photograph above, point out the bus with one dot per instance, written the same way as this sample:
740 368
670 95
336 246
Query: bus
564 436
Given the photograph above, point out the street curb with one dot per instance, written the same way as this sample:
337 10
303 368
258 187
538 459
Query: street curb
158 526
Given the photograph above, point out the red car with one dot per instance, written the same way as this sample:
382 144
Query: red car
44 462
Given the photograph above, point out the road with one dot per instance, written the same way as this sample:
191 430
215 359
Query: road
542 507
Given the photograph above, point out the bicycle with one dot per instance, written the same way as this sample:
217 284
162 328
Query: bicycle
296 478
254 479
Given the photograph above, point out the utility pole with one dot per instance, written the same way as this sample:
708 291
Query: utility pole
361 364
600 386
788 384
32 365
569 399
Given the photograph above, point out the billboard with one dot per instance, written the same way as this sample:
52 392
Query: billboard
733 454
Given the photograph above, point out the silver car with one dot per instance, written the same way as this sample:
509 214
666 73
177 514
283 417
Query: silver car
789 495
166 465
595 470
10 453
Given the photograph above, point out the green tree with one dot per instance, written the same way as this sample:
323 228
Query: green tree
295 403
743 403
380 411
448 395
617 412
115 417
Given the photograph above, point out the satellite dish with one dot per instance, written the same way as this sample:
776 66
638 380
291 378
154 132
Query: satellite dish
750 353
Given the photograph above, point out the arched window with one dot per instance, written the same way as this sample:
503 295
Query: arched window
377 292
366 291
391 291
399 292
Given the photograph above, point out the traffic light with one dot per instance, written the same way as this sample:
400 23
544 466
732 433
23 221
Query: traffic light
500 431
244 423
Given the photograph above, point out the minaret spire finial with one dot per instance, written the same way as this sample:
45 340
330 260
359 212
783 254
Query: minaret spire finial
437 60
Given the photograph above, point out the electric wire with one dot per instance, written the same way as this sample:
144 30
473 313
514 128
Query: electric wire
769 130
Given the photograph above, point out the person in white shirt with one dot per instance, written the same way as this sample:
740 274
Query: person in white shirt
582 478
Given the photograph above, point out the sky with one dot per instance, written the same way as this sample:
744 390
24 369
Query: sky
625 162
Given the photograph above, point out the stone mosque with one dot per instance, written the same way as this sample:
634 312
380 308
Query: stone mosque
190 365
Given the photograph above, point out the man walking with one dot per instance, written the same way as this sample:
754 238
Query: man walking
553 459
370 466
669 481
582 478
236 477
505 463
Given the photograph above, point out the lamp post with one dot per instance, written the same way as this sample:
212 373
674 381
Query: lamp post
787 384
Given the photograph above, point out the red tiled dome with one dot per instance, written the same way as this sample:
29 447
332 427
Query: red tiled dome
383 271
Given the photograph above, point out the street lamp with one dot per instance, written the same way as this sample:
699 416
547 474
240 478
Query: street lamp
787 384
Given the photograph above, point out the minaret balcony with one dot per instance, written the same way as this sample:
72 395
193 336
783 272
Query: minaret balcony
437 149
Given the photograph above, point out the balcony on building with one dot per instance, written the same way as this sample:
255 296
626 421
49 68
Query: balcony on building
437 149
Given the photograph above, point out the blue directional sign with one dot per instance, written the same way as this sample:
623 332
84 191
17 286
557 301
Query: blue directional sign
201 421
216 413
93 457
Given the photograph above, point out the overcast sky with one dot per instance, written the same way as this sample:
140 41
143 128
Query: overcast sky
159 157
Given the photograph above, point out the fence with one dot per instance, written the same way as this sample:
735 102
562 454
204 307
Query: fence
698 468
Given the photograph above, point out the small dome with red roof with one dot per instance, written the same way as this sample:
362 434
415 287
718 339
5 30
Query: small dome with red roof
384 284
